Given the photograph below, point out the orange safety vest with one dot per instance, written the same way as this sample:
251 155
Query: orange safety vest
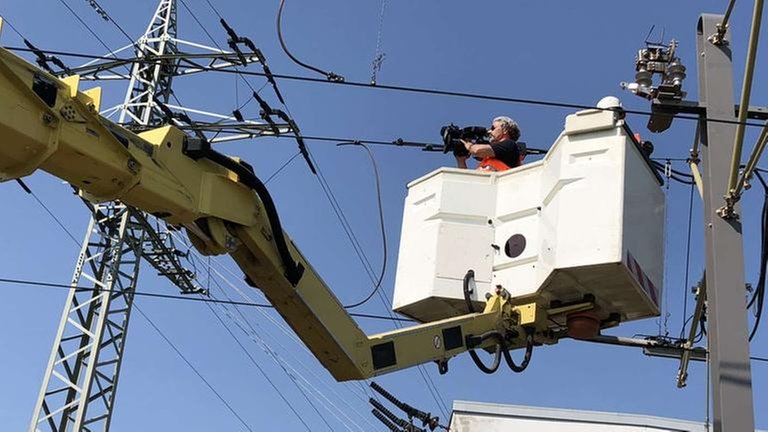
492 164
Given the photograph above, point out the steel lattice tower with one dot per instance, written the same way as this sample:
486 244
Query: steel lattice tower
79 387
152 80
78 392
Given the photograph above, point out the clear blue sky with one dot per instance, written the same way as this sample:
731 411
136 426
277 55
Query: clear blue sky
560 51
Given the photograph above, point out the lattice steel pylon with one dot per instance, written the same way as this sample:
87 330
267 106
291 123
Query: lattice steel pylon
152 80
80 383
78 392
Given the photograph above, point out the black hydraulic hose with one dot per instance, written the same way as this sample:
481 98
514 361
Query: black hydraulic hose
526 360
471 309
500 345
293 269
467 277
496 355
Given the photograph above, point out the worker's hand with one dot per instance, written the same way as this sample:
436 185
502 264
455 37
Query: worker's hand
466 144
461 161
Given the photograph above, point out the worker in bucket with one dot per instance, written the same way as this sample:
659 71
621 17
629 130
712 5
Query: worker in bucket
500 153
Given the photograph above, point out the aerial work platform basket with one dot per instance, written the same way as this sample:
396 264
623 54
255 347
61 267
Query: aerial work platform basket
586 221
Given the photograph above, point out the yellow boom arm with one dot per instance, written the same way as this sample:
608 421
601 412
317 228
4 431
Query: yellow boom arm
46 123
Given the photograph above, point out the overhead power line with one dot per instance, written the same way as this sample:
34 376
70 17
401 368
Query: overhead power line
417 90
103 13
176 297
194 369
258 367
88 28
15 30
437 92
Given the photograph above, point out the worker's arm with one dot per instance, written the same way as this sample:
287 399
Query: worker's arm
479 150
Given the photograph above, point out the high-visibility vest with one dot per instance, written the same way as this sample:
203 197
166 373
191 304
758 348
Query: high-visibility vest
492 164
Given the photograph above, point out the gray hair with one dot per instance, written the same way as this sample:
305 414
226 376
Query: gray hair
510 126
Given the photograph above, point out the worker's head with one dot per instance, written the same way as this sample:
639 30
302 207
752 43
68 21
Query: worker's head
503 128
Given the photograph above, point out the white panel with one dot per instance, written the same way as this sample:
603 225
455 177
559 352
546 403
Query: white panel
477 423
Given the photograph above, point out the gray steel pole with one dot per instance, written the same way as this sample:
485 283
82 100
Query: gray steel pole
730 372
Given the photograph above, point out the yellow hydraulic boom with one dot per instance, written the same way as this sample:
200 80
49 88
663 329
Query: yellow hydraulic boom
47 123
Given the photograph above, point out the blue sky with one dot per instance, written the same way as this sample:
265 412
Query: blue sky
574 52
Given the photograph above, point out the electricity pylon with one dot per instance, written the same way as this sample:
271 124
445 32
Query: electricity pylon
80 383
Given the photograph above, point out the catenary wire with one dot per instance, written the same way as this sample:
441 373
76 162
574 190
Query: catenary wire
418 90
325 186
395 143
191 366
359 250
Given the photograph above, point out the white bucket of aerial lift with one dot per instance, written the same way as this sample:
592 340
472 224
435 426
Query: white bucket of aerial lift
588 219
